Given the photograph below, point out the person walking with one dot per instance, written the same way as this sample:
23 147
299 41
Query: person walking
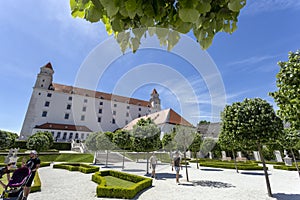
153 163
176 164
33 164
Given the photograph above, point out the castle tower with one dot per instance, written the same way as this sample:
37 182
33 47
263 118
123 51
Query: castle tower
155 101
45 77
42 85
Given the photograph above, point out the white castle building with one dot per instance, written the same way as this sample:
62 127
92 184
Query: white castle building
72 113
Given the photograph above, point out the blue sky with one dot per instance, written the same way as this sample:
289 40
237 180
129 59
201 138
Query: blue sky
36 32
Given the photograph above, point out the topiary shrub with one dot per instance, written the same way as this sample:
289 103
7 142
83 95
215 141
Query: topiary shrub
103 190
84 168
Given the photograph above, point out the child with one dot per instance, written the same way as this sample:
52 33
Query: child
6 170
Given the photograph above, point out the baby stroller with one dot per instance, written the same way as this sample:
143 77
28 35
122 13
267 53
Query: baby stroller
14 188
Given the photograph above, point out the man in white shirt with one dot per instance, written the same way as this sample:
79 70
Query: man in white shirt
153 163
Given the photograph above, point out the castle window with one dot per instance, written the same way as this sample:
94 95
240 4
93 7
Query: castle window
126 122
101 103
115 105
82 135
113 121
114 112
44 114
47 103
100 111
71 136
84 109
139 115
70 98
127 114
76 135
85 100
48 95
99 119
67 115
82 118
65 135
42 85
140 109
43 80
128 107
68 106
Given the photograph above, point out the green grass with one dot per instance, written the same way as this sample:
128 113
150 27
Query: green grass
65 157
113 181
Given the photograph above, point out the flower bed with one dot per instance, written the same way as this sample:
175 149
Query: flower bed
103 190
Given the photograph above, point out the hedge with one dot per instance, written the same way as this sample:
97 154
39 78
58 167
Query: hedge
141 183
225 165
84 168
56 145
37 185
283 167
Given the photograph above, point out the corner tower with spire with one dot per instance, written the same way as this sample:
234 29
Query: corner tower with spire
155 101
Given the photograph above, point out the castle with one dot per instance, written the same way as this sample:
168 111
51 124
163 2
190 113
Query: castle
72 113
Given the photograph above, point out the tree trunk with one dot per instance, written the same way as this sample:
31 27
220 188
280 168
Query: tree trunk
234 158
186 169
147 163
197 160
265 170
123 166
106 158
295 161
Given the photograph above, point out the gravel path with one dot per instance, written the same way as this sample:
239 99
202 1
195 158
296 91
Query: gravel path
205 184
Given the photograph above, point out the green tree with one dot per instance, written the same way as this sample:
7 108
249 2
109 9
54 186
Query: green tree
168 143
49 136
103 142
91 143
252 122
195 146
145 137
289 140
7 139
165 18
122 140
184 138
227 143
39 142
288 95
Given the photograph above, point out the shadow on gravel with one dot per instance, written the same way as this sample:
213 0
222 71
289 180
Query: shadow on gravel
214 184
133 170
164 176
282 196
255 173
141 192
212 170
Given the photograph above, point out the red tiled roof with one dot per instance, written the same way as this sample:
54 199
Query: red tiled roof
99 95
66 127
175 118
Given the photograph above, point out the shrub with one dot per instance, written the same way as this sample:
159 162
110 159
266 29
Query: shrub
119 192
283 167
84 168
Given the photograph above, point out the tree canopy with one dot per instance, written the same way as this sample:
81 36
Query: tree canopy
145 136
7 139
288 95
39 141
129 20
252 122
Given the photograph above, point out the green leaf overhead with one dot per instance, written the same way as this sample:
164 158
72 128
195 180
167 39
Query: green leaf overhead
204 18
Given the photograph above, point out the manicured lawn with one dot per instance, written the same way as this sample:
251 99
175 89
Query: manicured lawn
4 180
113 181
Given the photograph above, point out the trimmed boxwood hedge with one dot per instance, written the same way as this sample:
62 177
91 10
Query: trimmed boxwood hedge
283 167
225 165
103 190
37 185
84 168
